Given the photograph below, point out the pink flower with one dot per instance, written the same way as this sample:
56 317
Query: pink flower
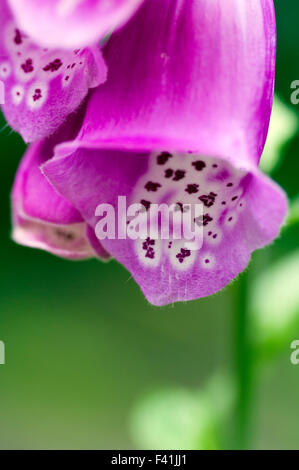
182 118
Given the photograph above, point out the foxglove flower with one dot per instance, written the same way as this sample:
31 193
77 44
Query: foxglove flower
182 119
41 217
71 23
43 86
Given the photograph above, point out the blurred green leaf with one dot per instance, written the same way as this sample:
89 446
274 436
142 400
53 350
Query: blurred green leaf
283 126
275 303
293 216
181 419
168 419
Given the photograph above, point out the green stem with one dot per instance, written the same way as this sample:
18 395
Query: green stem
244 362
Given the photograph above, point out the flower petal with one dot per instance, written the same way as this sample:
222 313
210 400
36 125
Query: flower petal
182 121
42 87
71 23
243 211
187 76
44 219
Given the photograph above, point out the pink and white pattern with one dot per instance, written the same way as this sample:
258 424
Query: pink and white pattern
43 86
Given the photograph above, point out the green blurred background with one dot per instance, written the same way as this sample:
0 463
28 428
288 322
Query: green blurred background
90 365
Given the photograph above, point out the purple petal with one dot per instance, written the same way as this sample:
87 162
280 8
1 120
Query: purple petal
203 102
44 219
71 23
243 211
188 76
42 87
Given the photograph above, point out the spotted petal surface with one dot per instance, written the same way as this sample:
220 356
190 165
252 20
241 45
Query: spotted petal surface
182 122
243 211
42 86
71 23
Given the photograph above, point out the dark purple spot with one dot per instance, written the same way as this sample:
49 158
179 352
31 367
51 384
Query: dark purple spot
28 66
163 158
208 199
183 254
223 203
150 253
207 261
215 236
147 246
203 220
180 207
53 66
37 94
146 204
148 242
215 166
234 198
229 185
206 219
199 165
192 188
67 78
168 173
179 175
18 37
150 186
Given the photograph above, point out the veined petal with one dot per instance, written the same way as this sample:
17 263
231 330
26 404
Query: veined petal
242 211
71 23
43 86
186 75
44 219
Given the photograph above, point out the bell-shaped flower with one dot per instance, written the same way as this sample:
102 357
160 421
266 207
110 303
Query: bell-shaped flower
71 23
182 120
42 86
41 217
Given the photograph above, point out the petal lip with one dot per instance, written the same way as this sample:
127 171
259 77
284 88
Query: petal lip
106 174
191 287
56 23
214 282
34 234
